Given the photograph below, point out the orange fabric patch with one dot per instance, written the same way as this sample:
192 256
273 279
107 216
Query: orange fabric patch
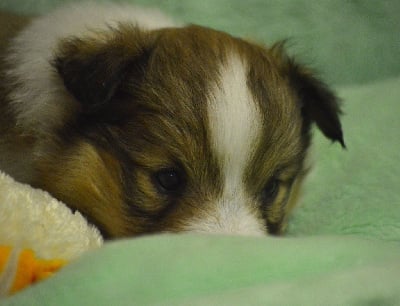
30 269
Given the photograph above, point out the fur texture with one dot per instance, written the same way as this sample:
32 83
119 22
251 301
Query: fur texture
32 219
148 127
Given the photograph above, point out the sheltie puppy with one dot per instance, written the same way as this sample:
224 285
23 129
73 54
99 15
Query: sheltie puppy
147 126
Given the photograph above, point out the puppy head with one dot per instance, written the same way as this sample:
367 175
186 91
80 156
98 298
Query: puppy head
184 129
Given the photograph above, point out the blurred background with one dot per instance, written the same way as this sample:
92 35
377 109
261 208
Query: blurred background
346 41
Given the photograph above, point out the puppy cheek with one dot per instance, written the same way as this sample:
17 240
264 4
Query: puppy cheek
278 214
295 195
87 180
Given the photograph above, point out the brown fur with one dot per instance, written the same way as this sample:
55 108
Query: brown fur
142 107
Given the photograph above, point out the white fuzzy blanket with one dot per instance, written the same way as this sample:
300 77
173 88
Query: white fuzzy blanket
31 218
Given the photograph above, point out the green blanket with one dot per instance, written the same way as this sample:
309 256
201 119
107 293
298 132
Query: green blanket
343 241
199 270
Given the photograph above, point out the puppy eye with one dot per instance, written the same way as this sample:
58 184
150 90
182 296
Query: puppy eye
169 180
270 190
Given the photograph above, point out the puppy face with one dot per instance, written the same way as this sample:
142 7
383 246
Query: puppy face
183 129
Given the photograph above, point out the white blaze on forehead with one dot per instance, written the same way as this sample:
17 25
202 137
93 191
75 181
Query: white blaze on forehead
235 123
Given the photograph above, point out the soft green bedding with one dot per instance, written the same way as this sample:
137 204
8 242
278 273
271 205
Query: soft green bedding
199 270
356 191
343 244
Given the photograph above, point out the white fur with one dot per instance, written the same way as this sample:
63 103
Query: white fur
37 97
230 216
235 124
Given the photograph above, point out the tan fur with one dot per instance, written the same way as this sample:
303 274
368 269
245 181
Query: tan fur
89 180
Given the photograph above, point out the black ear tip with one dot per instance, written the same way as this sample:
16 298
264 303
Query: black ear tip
341 141
334 133
339 138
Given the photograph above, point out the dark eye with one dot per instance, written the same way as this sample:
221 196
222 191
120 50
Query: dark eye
270 191
169 180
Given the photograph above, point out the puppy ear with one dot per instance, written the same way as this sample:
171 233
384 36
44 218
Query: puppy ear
318 102
93 68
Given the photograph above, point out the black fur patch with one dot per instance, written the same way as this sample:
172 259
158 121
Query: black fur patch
94 69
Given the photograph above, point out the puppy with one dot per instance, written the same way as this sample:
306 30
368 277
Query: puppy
147 126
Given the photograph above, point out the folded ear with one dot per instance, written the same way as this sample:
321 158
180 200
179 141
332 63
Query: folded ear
93 68
319 103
